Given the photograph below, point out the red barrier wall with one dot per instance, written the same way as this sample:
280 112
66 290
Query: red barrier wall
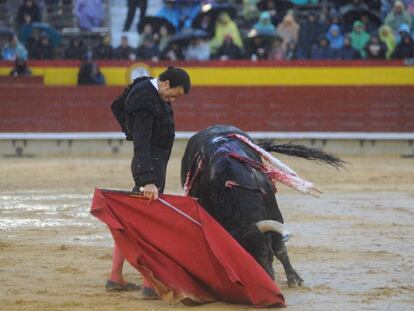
35 108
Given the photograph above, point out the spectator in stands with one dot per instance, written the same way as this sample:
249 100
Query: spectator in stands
322 51
32 41
147 31
409 4
264 25
228 50
172 52
225 26
148 50
132 7
14 49
386 6
405 48
164 38
335 38
27 21
304 2
104 49
309 33
20 68
29 8
288 29
290 51
90 13
375 49
76 49
206 24
270 6
124 51
370 26
347 52
397 16
402 29
258 48
44 49
198 49
277 52
387 37
89 74
250 12
359 38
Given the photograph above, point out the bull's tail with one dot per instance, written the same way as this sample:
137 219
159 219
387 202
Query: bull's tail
308 153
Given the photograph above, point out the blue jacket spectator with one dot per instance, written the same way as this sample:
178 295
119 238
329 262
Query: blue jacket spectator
335 37
14 49
90 13
264 25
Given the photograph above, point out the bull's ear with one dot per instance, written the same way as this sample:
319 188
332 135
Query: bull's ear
275 226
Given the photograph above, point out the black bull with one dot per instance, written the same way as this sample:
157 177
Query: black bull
238 196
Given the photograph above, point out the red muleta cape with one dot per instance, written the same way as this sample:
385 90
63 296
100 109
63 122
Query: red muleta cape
183 261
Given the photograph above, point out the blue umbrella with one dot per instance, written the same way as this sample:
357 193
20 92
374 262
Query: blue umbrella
54 36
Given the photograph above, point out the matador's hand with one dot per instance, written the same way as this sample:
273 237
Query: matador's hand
150 191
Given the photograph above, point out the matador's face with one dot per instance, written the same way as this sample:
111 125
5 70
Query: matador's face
170 94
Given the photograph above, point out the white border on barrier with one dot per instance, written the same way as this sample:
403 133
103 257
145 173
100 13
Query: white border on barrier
186 135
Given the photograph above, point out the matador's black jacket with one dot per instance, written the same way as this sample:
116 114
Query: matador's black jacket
148 121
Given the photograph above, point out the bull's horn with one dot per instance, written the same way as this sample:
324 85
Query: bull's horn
272 225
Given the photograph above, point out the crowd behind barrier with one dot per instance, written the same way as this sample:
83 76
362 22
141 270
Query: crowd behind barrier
207 30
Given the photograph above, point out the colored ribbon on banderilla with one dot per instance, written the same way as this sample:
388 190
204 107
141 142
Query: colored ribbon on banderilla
276 169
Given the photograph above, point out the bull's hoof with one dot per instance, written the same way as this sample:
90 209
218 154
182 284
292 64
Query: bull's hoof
294 280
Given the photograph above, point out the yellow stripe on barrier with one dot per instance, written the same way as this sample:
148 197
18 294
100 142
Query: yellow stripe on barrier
297 76
115 75
248 76
61 75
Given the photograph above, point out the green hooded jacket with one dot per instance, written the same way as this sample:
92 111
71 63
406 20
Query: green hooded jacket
359 38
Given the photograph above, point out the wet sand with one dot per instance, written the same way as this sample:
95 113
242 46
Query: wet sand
353 246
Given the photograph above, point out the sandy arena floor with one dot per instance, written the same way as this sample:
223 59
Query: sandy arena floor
353 246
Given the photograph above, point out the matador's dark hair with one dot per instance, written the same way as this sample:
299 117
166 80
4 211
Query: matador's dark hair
177 77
